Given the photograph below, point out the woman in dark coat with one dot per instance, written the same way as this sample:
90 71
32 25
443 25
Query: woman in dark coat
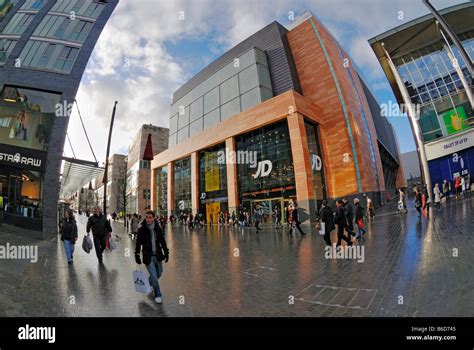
327 216
69 234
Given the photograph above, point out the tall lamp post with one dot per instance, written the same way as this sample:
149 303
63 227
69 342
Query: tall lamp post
105 180
148 157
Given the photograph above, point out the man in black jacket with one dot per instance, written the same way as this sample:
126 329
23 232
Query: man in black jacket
295 221
341 221
327 217
152 245
101 229
359 216
349 211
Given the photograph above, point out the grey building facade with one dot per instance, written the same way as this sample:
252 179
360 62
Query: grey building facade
45 47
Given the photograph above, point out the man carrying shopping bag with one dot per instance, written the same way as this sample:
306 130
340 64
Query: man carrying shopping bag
152 245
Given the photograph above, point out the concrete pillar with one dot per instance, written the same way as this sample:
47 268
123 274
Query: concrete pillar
194 182
170 188
302 167
231 168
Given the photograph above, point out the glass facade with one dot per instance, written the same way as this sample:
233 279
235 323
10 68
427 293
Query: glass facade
434 85
6 47
263 149
238 86
316 161
27 117
86 8
212 182
48 56
26 121
33 5
182 185
162 191
22 192
18 24
63 28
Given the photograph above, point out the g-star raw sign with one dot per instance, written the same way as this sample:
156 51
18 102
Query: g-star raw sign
23 158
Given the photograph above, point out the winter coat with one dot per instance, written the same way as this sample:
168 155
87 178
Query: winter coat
144 245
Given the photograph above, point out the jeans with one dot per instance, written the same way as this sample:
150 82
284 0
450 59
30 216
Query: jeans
155 269
69 247
100 245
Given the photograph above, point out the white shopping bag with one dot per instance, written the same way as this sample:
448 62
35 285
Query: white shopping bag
140 279
322 230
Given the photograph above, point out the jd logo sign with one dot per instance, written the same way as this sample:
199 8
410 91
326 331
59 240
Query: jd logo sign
264 169
316 163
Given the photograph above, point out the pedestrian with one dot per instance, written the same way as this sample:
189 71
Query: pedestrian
278 218
463 187
327 217
341 221
233 218
418 202
134 226
101 230
437 196
457 186
349 211
427 200
446 190
370 209
152 246
359 218
257 217
401 201
69 234
295 220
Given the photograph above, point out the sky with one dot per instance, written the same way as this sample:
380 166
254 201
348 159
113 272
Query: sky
149 48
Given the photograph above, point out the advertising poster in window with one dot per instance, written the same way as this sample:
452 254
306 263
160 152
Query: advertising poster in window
455 120
212 172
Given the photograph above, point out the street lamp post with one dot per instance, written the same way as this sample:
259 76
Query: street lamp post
105 180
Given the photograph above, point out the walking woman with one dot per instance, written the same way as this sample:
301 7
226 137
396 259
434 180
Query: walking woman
69 234
134 226
437 195
418 202
327 216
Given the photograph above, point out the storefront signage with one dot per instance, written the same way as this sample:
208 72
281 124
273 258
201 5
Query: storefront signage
23 158
316 162
264 169
449 145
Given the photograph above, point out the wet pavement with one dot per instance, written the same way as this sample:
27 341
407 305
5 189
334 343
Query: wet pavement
410 267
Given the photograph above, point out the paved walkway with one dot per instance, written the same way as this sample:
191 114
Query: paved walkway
410 268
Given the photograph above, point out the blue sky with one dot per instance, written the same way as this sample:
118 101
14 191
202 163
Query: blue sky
145 53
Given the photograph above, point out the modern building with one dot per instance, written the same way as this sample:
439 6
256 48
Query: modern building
44 49
282 116
138 170
431 80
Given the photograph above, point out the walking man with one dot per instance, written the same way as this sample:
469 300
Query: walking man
327 217
295 221
101 230
152 245
349 211
341 221
359 217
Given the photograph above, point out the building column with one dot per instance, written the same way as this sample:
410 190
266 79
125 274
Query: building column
413 119
302 167
153 190
170 191
194 183
231 168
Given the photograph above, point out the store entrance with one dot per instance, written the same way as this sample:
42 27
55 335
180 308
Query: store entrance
268 207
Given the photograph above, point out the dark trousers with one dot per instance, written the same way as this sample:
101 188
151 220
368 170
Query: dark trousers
257 223
350 223
327 237
297 225
100 244
340 235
